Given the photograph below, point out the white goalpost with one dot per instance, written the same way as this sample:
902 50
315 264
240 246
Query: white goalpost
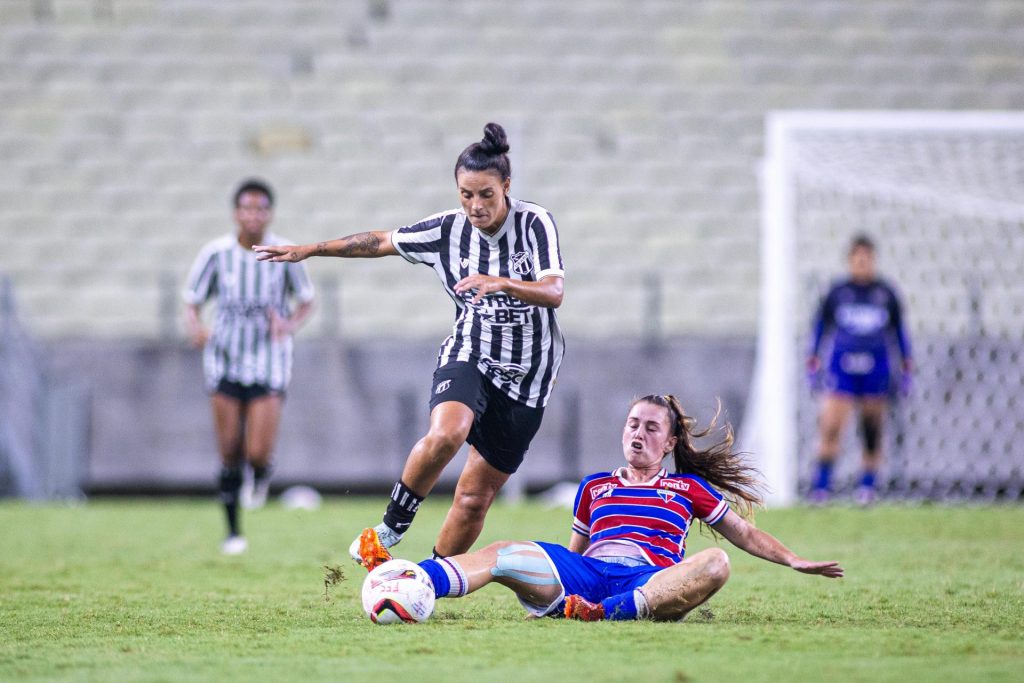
942 193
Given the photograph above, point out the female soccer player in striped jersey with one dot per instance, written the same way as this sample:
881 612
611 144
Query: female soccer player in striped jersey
247 358
863 318
498 258
625 558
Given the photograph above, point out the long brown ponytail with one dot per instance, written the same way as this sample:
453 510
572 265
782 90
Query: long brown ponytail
721 466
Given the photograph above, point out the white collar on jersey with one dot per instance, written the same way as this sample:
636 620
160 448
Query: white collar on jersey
505 227
621 474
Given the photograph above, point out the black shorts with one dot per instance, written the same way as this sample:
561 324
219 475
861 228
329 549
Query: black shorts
502 427
245 392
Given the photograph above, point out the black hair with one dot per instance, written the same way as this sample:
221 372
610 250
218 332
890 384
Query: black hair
254 185
861 241
490 154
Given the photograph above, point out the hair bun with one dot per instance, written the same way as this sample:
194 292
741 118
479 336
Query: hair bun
495 141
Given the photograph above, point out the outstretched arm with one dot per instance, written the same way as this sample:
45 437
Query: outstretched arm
746 536
545 292
371 244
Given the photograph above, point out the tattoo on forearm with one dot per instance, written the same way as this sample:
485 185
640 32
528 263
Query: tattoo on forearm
363 244
321 249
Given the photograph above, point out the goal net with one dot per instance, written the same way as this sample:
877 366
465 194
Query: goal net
942 194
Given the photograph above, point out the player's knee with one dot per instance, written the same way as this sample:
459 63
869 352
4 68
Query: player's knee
871 428
523 562
500 546
473 503
444 440
830 433
717 566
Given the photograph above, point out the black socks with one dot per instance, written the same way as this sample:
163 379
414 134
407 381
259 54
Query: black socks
402 508
230 485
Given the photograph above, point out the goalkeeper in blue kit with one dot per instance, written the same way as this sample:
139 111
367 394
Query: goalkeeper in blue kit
863 318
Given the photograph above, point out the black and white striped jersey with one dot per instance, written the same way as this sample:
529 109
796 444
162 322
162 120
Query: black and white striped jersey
240 348
518 346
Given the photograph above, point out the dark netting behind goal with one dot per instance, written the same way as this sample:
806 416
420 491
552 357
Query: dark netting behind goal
945 205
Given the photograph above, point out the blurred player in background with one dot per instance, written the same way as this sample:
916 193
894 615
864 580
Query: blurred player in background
498 258
625 556
863 318
247 356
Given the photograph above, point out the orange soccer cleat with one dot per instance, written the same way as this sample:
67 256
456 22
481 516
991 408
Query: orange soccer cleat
582 609
371 551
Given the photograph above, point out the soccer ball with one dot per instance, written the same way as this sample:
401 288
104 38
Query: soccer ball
398 591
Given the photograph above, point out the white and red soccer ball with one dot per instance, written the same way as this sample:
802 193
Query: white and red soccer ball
398 591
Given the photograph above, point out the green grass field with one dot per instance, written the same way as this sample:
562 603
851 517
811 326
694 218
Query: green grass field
137 591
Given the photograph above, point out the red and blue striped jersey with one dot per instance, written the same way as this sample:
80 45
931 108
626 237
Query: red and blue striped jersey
654 516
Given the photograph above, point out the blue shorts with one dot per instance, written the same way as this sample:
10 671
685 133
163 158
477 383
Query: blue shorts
591 578
859 374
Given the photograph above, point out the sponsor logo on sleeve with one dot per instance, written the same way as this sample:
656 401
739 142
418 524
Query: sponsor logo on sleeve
442 386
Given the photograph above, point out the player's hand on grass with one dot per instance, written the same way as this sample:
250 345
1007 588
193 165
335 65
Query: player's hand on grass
287 253
831 570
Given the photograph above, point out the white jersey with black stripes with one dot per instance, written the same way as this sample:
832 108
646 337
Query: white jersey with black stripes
241 348
517 345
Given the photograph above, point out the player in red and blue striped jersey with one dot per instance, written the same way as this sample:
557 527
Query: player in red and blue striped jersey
650 520
625 559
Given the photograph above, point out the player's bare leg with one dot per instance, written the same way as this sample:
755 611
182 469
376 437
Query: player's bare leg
835 413
450 423
872 416
449 426
673 592
227 425
263 417
228 416
519 565
476 490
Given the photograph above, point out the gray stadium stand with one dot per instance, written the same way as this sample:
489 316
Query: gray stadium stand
125 124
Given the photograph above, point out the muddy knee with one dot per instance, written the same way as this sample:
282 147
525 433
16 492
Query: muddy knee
716 565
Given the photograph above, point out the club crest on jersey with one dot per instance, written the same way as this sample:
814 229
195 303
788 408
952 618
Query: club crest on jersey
443 386
666 496
521 263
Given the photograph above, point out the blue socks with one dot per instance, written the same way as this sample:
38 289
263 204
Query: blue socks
627 606
867 480
823 476
448 578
